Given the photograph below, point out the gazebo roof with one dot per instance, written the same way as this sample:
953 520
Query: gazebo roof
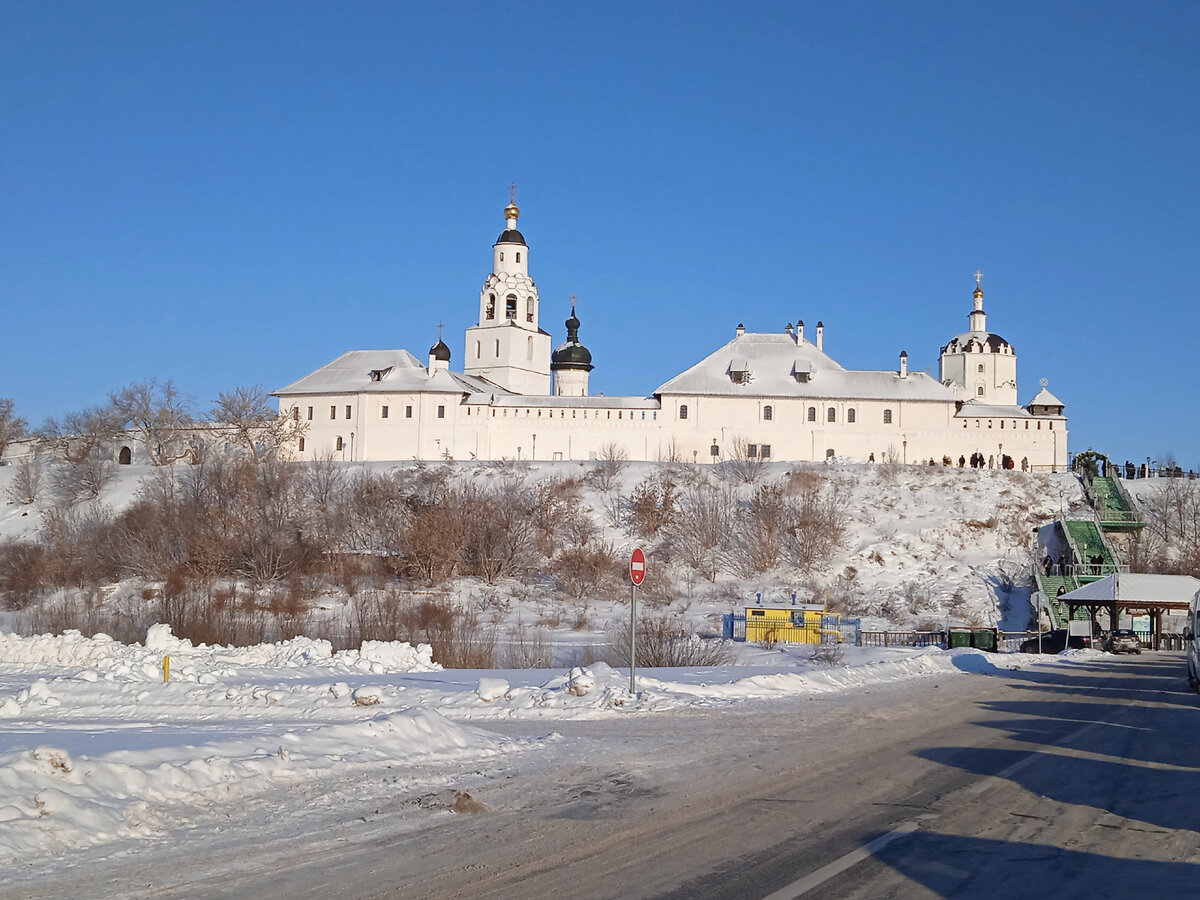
1162 591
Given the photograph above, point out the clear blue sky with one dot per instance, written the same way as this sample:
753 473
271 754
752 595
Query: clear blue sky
229 193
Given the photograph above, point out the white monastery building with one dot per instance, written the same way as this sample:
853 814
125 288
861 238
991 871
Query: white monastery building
775 395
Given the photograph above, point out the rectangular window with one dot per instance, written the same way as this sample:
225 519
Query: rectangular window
333 412
887 417
301 445
752 451
408 412
441 412
812 414
347 410
765 451
383 411
310 414
683 411
295 414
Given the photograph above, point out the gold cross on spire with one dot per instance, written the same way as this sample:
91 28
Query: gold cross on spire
978 277
512 192
441 325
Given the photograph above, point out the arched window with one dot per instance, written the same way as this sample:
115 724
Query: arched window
477 348
125 457
491 306
301 445
339 443
887 417
529 347
497 348
528 309
501 256
831 415
812 414
851 416
979 391
683 411
768 413
829 454
981 368
510 306
518 256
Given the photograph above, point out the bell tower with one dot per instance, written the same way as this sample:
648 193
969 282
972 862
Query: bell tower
506 346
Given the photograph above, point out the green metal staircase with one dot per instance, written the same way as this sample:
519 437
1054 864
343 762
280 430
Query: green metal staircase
1115 509
1094 556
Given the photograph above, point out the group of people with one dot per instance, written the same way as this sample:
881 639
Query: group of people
979 461
1062 567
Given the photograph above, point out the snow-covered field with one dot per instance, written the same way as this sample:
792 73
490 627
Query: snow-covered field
96 751
100 757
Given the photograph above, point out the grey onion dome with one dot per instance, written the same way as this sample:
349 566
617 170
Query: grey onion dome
440 351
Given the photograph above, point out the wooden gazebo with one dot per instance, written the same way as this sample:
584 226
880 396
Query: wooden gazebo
1149 595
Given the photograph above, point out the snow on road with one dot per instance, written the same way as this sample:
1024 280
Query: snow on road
95 749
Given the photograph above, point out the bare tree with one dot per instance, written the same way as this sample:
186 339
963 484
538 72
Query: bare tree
245 413
26 485
12 426
606 473
160 416
82 435
702 531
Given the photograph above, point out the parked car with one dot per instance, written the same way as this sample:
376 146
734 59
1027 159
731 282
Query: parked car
1122 640
1056 642
1191 640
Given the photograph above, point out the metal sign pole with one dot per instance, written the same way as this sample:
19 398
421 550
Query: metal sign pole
632 636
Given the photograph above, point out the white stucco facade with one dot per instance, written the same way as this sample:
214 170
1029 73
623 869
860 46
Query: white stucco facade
774 394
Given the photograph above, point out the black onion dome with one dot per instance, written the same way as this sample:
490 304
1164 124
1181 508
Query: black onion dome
511 236
440 351
572 354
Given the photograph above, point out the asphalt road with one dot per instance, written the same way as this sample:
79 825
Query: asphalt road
1056 781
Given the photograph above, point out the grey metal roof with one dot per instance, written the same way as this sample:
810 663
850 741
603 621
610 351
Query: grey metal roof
773 360
973 410
401 372
1045 398
530 401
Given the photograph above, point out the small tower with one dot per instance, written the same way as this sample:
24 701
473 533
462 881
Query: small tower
571 362
439 356
506 346
981 365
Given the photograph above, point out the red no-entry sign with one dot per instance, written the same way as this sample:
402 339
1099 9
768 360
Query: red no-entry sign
637 566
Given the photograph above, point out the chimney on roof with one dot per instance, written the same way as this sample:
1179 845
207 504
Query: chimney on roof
800 332
903 364
741 329
821 336
788 328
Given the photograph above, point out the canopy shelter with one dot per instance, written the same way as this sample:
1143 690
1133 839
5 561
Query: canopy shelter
1150 595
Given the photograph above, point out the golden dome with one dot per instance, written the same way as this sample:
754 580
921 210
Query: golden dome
978 291
511 212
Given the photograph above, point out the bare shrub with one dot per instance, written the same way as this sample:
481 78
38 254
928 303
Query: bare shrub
12 426
652 504
915 596
605 474
827 655
744 462
22 572
526 648
26 485
458 639
583 572
665 640
702 533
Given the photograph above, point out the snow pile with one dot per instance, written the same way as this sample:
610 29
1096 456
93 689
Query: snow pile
121 662
53 801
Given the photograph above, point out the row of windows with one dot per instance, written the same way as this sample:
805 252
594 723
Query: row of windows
528 347
383 412
562 413
978 424
768 414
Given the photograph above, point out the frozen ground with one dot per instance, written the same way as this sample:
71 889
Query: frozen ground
100 758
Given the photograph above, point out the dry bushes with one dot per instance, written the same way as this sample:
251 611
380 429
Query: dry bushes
665 640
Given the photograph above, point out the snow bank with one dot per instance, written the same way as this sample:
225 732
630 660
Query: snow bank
124 662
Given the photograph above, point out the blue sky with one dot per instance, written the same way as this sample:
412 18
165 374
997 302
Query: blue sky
236 193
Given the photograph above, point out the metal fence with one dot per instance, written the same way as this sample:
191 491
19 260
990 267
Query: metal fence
902 638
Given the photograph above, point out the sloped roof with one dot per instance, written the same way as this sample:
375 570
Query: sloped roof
1131 590
971 409
400 372
1045 398
773 361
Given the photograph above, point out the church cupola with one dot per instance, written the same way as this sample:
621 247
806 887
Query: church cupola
978 318
571 362
439 356
982 365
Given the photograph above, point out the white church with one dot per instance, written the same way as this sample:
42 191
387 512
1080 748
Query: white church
774 395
